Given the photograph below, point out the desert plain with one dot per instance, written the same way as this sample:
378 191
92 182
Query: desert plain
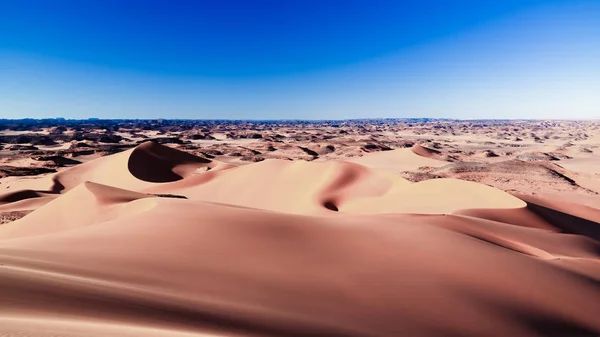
391 227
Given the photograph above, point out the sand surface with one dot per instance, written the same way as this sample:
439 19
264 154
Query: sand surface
397 236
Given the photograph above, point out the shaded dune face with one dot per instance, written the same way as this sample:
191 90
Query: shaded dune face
18 196
281 248
425 152
160 164
566 217
146 165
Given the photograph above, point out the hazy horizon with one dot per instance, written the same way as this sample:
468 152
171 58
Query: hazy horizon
295 60
591 119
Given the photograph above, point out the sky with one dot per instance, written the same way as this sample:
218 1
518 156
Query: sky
308 59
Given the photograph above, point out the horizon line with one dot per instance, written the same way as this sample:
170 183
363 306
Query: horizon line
94 119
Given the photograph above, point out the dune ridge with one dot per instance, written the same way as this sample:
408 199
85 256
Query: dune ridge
291 248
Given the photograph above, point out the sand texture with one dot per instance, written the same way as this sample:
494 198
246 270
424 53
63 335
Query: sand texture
399 238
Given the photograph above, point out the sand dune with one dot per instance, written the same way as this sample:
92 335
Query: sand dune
292 187
146 165
437 196
84 205
396 161
425 151
291 248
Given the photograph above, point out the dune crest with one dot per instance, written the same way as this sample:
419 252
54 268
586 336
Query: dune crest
82 206
146 165
425 151
396 161
157 163
436 196
285 186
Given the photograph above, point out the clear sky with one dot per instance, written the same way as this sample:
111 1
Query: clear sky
306 59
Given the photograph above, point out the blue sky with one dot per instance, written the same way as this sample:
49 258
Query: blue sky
299 59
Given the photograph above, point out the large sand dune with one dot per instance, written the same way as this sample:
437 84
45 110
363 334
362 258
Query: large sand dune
158 242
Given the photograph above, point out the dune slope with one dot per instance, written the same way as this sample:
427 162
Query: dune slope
281 248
